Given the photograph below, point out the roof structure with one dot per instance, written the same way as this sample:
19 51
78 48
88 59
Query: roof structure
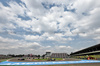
88 51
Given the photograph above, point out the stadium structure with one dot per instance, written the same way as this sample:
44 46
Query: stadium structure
93 51
56 55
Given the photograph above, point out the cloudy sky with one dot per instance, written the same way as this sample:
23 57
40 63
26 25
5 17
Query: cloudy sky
37 26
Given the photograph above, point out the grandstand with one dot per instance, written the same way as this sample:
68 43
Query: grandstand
59 55
90 51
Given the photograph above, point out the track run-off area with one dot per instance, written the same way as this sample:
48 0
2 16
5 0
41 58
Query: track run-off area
48 63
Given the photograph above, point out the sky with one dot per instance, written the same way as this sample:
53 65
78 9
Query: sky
57 26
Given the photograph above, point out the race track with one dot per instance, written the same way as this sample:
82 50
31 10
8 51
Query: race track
48 63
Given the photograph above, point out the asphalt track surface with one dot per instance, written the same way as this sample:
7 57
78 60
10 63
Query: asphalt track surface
49 63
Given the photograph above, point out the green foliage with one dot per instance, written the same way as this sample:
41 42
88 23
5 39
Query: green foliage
58 59
85 56
40 59
2 60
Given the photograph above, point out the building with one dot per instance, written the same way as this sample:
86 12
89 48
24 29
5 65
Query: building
4 56
93 50
48 55
29 56
59 55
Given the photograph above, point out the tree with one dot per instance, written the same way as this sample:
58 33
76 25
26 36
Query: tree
43 56
38 56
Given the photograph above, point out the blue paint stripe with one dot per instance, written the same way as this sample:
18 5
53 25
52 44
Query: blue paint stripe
48 63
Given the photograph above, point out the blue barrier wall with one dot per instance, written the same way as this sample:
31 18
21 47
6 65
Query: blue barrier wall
48 63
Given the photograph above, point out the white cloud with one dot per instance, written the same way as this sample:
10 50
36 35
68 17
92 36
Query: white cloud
97 30
17 9
62 47
69 47
96 38
7 40
33 38
59 39
89 5
84 22
35 8
51 38
83 35
48 47
4 18
70 39
58 2
65 47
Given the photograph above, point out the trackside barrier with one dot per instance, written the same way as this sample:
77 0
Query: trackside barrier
49 63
